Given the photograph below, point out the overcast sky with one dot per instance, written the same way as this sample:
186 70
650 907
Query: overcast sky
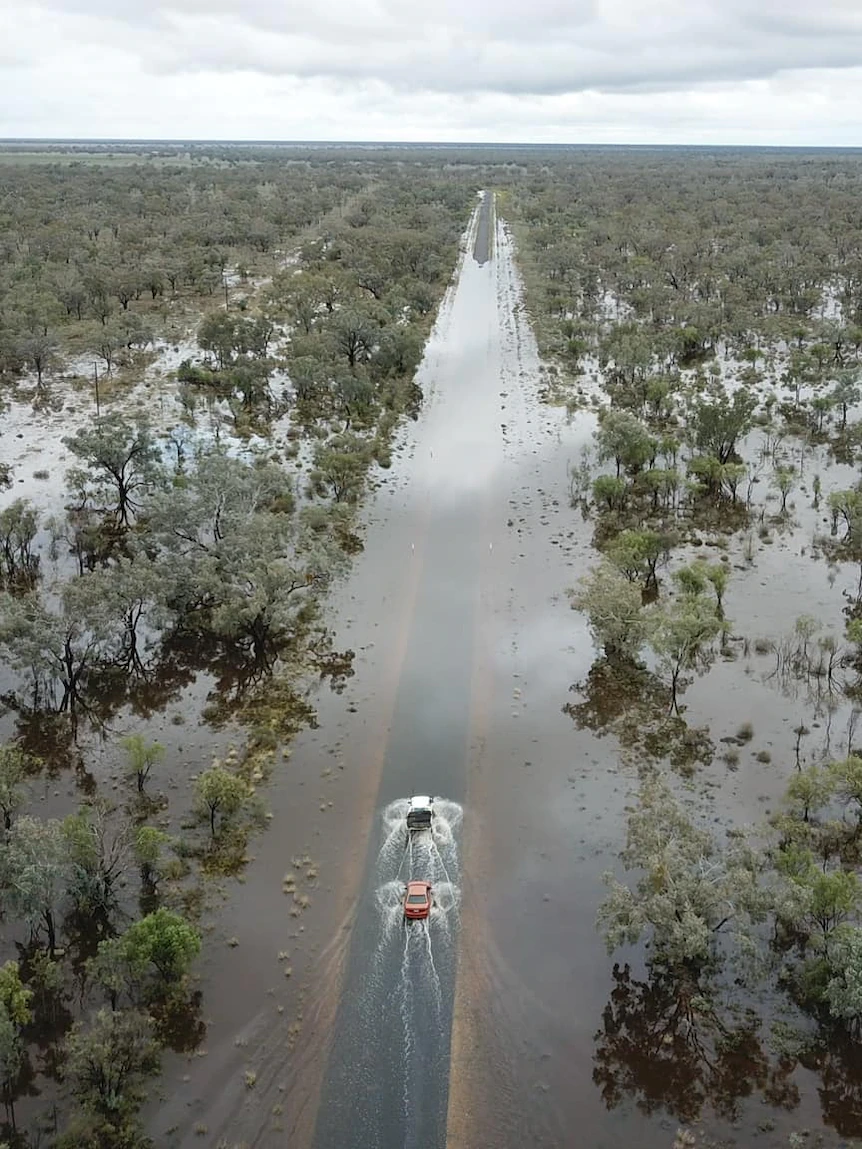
627 71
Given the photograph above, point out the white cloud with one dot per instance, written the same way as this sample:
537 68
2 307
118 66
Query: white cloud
711 71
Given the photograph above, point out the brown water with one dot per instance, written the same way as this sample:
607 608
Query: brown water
466 655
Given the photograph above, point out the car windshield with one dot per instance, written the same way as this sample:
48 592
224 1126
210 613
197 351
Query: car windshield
414 898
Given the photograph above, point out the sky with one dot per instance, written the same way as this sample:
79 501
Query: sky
778 72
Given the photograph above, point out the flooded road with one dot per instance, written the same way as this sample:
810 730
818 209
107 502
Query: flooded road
386 1083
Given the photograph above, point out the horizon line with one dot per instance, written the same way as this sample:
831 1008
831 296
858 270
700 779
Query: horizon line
6 141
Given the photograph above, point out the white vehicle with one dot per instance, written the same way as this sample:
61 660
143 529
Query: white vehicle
420 811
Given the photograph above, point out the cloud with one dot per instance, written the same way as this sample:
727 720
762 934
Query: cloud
358 68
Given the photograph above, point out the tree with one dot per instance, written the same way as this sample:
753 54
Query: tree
100 847
107 341
220 796
341 466
783 479
122 464
253 588
637 553
141 758
718 424
690 890
38 348
815 901
11 1060
131 590
353 334
58 644
621 436
844 986
611 493
148 854
808 791
162 942
19 525
14 766
614 607
400 351
216 334
353 398
112 970
681 633
35 870
108 1061
216 501
846 393
718 576
15 998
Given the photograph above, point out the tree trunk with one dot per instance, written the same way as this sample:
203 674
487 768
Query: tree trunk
52 935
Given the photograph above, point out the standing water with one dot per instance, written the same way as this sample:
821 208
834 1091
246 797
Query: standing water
386 1083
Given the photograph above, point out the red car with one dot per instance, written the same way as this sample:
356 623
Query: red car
417 900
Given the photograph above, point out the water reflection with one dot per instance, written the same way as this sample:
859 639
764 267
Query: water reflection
625 699
667 1043
237 680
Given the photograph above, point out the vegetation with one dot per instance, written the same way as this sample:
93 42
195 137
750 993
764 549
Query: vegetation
301 290
703 313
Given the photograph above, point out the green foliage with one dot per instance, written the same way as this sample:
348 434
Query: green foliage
638 553
719 423
15 998
614 607
142 756
846 506
19 564
784 479
809 791
148 846
109 1060
843 992
11 1057
99 847
35 870
340 467
15 765
681 632
146 962
162 941
220 797
621 436
611 493
122 465
690 889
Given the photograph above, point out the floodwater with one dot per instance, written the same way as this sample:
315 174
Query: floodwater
336 1025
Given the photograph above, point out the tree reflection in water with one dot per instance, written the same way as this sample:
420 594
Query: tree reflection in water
624 699
665 1043
838 1063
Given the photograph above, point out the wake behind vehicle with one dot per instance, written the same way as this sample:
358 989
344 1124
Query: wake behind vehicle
417 900
420 811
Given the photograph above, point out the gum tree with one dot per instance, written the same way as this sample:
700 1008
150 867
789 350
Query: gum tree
121 465
681 632
613 605
35 867
691 888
